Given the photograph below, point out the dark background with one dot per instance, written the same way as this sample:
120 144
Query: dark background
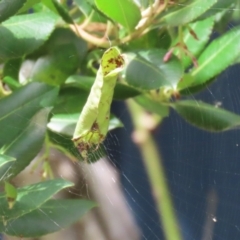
196 162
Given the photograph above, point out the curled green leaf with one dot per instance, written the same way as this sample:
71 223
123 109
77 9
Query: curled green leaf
92 125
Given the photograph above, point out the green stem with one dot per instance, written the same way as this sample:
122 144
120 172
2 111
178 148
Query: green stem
155 171
102 42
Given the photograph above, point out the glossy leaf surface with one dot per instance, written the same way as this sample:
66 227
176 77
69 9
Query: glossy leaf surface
206 116
147 70
50 217
29 198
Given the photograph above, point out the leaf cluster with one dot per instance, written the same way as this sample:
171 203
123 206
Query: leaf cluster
49 54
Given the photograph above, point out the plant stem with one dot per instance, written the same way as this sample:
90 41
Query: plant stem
104 43
155 170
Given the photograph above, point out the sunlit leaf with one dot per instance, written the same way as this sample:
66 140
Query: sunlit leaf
21 35
220 54
124 12
187 12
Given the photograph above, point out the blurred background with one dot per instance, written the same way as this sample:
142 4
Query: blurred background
203 170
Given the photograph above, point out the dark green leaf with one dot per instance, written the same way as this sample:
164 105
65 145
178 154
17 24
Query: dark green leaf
66 51
26 145
152 106
121 91
11 71
52 216
147 70
152 39
192 89
29 198
186 12
206 116
17 109
220 54
124 12
21 35
70 100
9 7
62 12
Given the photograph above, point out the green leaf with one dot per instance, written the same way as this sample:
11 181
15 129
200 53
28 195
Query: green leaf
17 109
49 4
27 5
121 91
29 198
11 71
52 216
151 39
124 12
26 145
12 83
9 8
220 54
66 123
11 194
186 81
23 34
186 13
147 70
152 106
206 116
93 122
63 123
4 159
62 12
202 29
70 100
67 146
220 5
66 51
84 7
